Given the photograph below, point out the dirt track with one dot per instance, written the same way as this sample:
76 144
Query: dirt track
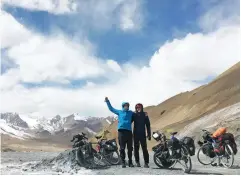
19 162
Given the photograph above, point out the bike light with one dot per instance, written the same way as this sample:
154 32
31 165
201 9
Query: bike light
114 143
155 135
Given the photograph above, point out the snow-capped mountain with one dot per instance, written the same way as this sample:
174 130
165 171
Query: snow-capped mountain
14 119
13 131
57 122
24 125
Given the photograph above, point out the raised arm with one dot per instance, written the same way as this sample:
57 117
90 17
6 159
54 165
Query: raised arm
148 125
115 111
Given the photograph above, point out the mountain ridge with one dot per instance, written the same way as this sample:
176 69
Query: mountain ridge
56 131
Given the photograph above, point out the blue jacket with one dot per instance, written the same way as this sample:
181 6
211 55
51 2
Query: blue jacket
124 117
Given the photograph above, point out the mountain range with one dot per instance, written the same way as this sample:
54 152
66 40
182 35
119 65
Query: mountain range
58 130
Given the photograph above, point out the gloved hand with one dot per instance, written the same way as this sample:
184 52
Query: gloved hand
106 99
149 138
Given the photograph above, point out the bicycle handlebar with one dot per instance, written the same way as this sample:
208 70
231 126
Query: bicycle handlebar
85 137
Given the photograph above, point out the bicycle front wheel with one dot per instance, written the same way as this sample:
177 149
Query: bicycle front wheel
112 157
227 158
185 160
206 155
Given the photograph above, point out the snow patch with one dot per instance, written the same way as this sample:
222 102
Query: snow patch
78 117
7 129
31 121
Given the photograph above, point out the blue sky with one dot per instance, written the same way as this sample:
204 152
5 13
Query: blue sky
122 49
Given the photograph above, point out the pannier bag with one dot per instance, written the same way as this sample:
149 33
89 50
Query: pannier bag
209 151
219 132
229 137
110 145
173 143
190 145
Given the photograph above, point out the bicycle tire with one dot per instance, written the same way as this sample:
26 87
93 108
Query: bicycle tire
198 155
162 164
109 159
187 156
227 146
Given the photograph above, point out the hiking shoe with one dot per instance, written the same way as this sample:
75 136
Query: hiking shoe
146 165
131 164
138 164
123 164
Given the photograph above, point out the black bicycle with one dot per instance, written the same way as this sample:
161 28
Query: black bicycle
85 154
169 152
106 151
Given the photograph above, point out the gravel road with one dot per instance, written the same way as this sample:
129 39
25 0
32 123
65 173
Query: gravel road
20 163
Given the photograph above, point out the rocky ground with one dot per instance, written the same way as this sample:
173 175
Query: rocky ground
63 163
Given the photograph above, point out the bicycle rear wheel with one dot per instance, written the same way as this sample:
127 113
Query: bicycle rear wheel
203 157
227 158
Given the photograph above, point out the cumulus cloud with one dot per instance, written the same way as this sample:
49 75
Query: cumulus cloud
53 58
12 32
52 6
170 70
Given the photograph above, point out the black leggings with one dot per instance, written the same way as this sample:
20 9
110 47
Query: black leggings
137 141
125 138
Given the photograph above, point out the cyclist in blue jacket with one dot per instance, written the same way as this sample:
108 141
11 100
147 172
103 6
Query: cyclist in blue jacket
124 130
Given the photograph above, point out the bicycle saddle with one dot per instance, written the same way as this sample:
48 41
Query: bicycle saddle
173 133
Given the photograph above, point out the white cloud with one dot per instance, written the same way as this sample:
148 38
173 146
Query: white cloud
52 6
54 59
9 79
125 14
222 14
130 16
114 66
171 70
12 32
